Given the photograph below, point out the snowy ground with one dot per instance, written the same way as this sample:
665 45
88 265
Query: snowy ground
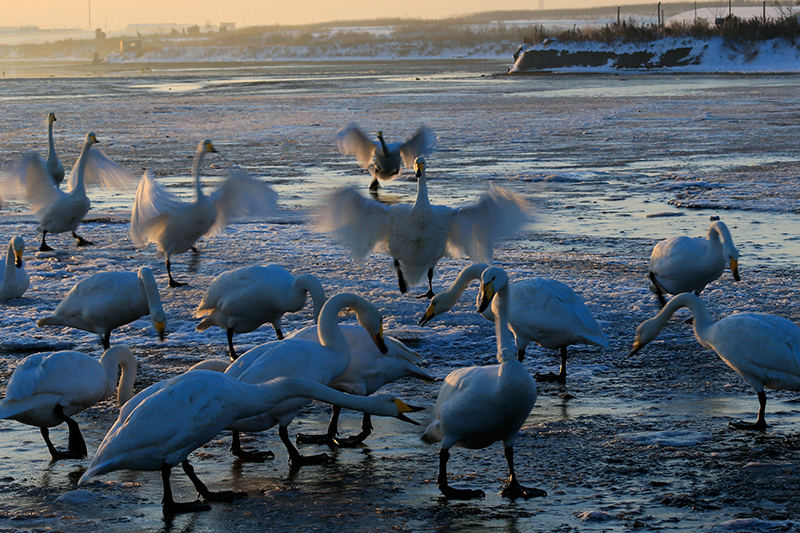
628 443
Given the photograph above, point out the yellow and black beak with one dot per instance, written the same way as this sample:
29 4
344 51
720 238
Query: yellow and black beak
735 269
429 314
209 147
403 407
418 168
18 258
378 338
161 329
487 293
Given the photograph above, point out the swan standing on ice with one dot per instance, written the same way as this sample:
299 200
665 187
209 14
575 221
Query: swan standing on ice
480 405
159 427
15 279
764 349
417 236
159 216
384 159
59 211
241 300
685 264
108 300
54 166
322 361
46 389
544 311
369 370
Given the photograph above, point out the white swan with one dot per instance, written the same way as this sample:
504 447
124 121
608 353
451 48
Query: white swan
764 349
368 371
59 211
46 389
322 361
241 300
159 427
54 166
384 159
15 279
159 216
108 300
418 235
684 264
480 405
544 311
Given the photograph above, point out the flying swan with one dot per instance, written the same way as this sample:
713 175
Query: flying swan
159 216
417 236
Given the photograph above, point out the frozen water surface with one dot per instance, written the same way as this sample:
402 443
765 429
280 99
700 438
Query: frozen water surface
612 164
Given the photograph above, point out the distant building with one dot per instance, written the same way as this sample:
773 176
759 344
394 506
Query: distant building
227 26
128 46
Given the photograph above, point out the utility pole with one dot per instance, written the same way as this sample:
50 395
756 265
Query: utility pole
90 15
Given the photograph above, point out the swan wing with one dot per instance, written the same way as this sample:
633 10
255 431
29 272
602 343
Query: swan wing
151 205
474 229
363 224
31 178
100 169
352 141
239 196
67 374
421 143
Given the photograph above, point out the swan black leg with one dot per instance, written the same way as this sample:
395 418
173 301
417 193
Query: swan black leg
561 377
106 339
172 282
520 355
514 489
248 456
76 447
448 491
295 458
429 294
44 247
659 291
202 490
373 187
761 422
366 430
81 240
231 351
401 282
328 437
169 505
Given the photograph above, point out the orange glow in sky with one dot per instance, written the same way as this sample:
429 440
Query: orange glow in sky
111 15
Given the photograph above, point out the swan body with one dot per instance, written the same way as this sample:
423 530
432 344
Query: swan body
381 158
480 405
544 311
54 166
46 389
241 300
175 226
685 264
159 427
764 349
15 280
107 300
418 235
368 371
322 361
59 211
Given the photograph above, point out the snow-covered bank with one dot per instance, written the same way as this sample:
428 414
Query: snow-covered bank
714 54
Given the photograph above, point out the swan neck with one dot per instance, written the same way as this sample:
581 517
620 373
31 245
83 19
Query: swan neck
384 147
10 262
702 318
422 190
465 277
306 283
506 348
122 358
718 231
283 388
51 151
148 283
82 164
198 162
330 334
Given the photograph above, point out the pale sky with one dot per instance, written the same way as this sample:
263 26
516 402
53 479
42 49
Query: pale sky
114 15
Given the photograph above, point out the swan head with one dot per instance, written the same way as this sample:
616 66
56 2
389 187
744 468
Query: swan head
645 333
51 118
380 135
492 280
18 245
419 166
91 138
206 146
396 408
735 269
440 303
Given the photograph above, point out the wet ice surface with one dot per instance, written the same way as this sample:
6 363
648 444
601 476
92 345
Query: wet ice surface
612 164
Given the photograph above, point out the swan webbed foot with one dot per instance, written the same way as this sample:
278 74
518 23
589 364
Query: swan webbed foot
249 456
304 438
515 490
351 441
224 496
759 425
45 248
452 493
173 283
427 295
550 378
172 508
81 240
309 460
